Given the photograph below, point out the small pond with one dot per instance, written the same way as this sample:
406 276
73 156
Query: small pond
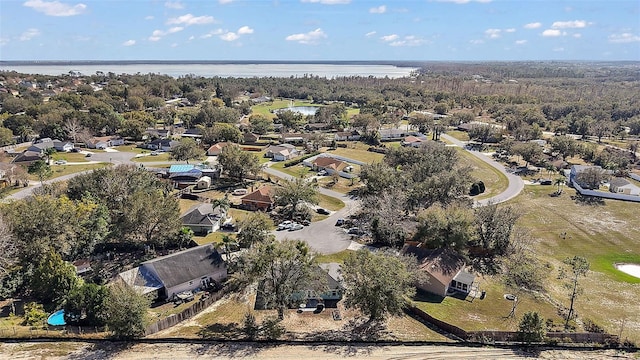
304 110
631 269
56 319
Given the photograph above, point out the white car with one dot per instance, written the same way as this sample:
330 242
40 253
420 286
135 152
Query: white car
296 226
285 225
60 162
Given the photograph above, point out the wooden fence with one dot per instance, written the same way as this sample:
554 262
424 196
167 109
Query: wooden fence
511 336
185 314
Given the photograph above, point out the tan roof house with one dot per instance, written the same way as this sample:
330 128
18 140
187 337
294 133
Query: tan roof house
261 199
216 149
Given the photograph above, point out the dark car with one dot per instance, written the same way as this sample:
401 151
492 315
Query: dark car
228 227
75 150
88 155
322 211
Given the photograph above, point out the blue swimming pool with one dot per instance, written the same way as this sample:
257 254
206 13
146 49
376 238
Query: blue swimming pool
56 319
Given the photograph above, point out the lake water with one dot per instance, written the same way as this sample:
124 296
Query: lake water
304 110
221 70
631 269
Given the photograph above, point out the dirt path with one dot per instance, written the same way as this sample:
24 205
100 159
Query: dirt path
173 351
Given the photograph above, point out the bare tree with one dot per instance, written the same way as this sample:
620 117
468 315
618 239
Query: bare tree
73 129
8 248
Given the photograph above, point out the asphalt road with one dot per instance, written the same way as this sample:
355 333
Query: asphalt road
515 182
322 236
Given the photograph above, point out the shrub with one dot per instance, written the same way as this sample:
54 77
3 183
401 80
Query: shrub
250 327
34 314
531 328
592 327
300 159
271 328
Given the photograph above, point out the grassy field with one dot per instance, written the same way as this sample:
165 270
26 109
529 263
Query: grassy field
296 170
61 170
495 182
358 153
160 157
329 203
603 232
70 157
460 135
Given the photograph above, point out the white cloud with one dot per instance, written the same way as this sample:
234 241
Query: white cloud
29 34
245 30
533 25
378 10
174 5
328 2
624 38
175 29
493 33
477 42
158 34
575 24
212 33
558 49
551 33
409 40
521 42
230 36
4 40
389 38
149 17
129 43
189 19
223 2
191 37
577 35
55 8
312 37
510 30
370 34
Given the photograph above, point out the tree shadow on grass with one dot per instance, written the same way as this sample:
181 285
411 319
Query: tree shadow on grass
588 200
101 350
231 331
230 349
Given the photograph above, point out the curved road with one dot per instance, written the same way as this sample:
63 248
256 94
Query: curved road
515 182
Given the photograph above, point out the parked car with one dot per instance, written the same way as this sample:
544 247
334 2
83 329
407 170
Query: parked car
305 222
238 192
75 150
322 211
296 226
322 172
284 225
340 222
154 153
60 162
228 226
354 231
88 155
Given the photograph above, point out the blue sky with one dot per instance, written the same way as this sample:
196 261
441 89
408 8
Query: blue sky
462 30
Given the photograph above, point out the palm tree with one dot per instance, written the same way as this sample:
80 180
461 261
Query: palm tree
227 243
223 203
48 152
559 181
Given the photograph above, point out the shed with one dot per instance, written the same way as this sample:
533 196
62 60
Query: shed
203 183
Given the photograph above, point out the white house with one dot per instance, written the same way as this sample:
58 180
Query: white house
204 219
620 185
281 152
62 146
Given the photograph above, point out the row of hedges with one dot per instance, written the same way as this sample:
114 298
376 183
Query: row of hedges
300 159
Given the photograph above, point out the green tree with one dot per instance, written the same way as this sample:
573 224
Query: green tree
6 136
564 145
422 122
494 225
590 178
53 279
254 229
531 328
295 192
8 248
281 269
152 218
187 150
530 152
441 108
41 169
260 124
290 119
482 133
237 163
578 267
126 311
378 283
446 227
34 314
86 305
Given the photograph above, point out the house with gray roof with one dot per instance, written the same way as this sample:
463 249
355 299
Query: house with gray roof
620 185
196 268
204 219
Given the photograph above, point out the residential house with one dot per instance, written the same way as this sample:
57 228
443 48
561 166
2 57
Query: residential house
82 266
294 138
445 271
347 136
620 185
27 157
157 133
577 169
329 164
189 270
281 152
192 133
203 183
161 144
62 146
103 142
41 147
261 199
182 176
392 134
250 138
203 218
412 141
216 149
465 126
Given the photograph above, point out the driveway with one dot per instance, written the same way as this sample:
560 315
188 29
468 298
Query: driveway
515 182
322 236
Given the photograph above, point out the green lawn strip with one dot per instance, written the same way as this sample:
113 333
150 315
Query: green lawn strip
296 170
329 203
495 181
69 157
152 158
358 154
606 263
460 135
131 149
487 314
214 237
61 170
339 257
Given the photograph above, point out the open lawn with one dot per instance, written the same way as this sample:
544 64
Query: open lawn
339 257
460 135
604 232
69 157
343 185
131 149
152 158
296 170
329 203
495 182
61 170
358 151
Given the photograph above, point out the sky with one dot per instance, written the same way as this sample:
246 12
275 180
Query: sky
315 30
